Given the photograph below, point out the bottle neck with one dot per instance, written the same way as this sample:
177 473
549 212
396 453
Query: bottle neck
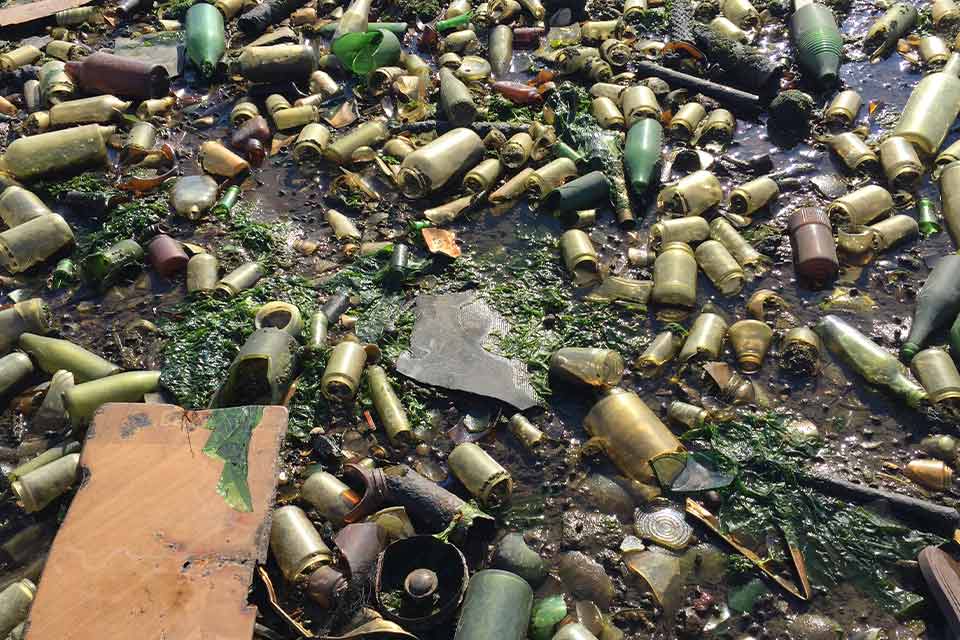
952 66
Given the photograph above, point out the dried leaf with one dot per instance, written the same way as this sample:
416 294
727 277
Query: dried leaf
279 143
342 116
143 185
441 241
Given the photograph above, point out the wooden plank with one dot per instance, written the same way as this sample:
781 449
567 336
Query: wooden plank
149 548
29 11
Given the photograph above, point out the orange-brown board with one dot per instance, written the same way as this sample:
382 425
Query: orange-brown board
149 550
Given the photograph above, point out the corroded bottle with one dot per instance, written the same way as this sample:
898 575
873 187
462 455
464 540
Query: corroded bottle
276 62
932 108
96 110
600 368
483 476
17 205
367 134
623 426
501 49
53 354
456 99
431 166
937 304
27 316
57 151
126 77
83 400
938 374
497 605
675 276
388 406
868 359
34 241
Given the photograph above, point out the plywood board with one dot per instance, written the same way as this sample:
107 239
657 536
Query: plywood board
150 548
24 12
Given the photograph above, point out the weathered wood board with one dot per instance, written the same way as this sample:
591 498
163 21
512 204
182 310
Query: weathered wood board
149 548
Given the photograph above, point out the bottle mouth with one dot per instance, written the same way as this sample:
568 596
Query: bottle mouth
413 183
159 82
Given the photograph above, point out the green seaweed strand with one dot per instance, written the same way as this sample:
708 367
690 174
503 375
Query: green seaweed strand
230 442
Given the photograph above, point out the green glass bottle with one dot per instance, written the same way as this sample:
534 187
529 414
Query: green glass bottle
877 365
227 201
955 337
818 42
206 42
937 304
641 154
927 218
454 22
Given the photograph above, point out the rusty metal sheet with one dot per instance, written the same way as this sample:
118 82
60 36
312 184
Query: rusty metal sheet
30 11
151 546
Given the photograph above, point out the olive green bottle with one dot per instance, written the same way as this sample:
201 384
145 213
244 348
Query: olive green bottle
432 165
53 354
262 371
641 153
206 42
83 400
932 108
497 605
867 358
57 151
937 304
98 109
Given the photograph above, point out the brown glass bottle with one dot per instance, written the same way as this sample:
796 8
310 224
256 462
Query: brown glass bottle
518 93
814 249
119 76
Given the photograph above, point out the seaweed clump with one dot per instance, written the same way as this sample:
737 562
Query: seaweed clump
768 506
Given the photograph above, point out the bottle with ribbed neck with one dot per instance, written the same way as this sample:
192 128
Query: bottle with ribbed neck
206 41
937 304
932 108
